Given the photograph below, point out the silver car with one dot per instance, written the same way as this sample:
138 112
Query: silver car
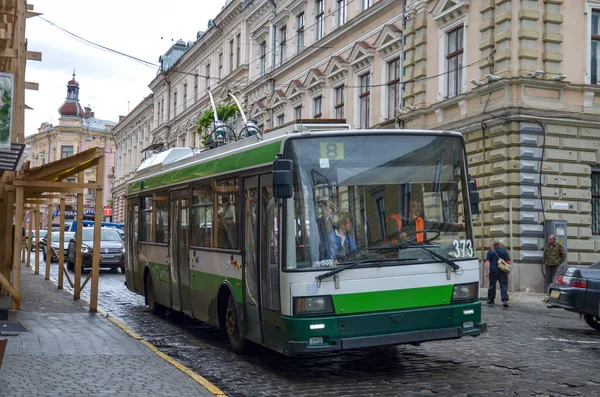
112 249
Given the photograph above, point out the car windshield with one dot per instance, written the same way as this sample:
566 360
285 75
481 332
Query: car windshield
357 196
106 235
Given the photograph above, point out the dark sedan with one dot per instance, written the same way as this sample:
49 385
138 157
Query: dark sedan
577 289
112 249
55 243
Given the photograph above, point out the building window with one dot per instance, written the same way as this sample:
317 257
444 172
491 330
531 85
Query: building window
207 77
298 112
175 104
238 51
342 12
220 66
231 49
162 110
262 58
185 96
595 71
317 107
42 157
367 3
300 32
66 151
282 44
320 18
365 100
340 93
280 119
393 87
596 203
454 61
195 87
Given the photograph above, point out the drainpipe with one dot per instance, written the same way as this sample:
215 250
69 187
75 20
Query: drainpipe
402 54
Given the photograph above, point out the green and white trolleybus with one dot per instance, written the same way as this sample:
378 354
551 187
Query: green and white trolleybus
311 240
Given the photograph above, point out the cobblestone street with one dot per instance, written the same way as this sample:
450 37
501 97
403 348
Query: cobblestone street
529 350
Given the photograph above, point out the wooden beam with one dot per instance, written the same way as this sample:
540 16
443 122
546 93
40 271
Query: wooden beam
29 14
32 86
37 239
29 239
11 290
78 235
67 165
61 251
53 185
97 235
33 55
7 235
53 190
48 244
18 245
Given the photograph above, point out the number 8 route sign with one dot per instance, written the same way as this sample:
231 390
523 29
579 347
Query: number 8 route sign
332 150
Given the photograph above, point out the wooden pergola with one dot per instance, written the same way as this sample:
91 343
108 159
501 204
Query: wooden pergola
45 186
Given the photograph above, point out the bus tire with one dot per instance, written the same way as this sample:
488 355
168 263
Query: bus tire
592 321
154 306
233 327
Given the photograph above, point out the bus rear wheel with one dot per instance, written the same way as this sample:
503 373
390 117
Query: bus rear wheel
233 326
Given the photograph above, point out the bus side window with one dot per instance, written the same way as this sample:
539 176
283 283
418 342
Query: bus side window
227 213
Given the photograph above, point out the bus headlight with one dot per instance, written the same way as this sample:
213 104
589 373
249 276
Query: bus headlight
465 292
313 305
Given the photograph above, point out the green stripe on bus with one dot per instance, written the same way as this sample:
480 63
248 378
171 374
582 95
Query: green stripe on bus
208 282
392 300
249 158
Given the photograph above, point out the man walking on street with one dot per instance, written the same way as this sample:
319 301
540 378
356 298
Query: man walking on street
554 256
493 272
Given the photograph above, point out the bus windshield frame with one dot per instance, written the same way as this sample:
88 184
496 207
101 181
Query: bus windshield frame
357 197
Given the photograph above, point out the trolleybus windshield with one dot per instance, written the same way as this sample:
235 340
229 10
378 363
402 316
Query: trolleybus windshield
355 196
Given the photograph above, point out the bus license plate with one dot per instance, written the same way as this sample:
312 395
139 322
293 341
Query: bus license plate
108 255
555 294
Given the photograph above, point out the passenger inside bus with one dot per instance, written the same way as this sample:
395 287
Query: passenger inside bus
343 243
325 223
412 228
226 224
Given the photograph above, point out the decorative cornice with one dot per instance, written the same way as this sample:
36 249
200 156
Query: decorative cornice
446 11
389 40
295 91
337 69
314 81
361 55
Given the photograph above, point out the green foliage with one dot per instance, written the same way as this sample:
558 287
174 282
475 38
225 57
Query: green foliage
224 112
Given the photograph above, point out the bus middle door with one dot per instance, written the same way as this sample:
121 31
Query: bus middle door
251 268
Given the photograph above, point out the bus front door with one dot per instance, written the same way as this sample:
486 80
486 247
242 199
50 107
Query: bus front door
251 268
179 252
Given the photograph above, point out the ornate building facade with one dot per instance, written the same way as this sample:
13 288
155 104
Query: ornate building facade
78 130
499 71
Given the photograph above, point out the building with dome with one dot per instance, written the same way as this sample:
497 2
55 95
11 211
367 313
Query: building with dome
77 130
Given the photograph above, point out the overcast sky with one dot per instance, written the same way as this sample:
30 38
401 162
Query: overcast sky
142 28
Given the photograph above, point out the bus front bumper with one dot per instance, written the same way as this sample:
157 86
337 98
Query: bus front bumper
415 337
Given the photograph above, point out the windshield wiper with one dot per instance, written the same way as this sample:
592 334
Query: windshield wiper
349 265
401 246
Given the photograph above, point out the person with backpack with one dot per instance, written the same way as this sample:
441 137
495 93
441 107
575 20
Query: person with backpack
495 274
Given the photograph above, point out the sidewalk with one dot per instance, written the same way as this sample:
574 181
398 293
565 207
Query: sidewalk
65 350
516 297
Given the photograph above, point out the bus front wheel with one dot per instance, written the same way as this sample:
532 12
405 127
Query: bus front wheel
233 326
154 306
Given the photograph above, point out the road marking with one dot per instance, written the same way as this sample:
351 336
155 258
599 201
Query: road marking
198 378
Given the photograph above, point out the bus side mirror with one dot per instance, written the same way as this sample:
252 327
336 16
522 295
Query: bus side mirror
473 196
282 178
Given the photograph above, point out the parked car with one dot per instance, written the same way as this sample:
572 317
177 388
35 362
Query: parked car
33 245
56 242
577 289
112 249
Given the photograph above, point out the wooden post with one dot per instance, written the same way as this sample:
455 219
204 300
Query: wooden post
61 250
3 222
17 249
49 243
7 238
37 239
78 235
97 235
18 119
23 253
28 262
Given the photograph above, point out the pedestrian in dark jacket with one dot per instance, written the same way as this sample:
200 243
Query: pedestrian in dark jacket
493 272
554 256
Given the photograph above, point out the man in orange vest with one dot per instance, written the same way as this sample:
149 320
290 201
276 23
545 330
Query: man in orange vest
415 224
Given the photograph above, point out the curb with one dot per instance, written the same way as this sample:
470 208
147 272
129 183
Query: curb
198 378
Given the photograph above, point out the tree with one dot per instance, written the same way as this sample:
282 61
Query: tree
204 123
